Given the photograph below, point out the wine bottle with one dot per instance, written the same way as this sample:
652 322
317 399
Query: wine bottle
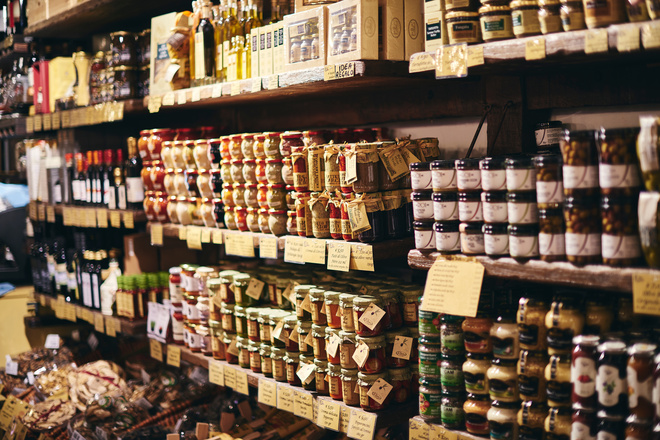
132 169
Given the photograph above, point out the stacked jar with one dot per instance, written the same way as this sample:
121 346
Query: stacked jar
153 174
494 201
550 199
522 209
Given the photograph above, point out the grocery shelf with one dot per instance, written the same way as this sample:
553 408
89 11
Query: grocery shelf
419 424
560 273
110 325
394 415
86 216
12 125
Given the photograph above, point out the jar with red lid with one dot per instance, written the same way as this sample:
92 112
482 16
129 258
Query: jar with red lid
365 382
201 155
216 183
330 303
346 350
250 196
235 147
224 147
377 360
230 218
219 213
252 219
390 338
393 318
258 146
264 218
145 175
143 144
166 154
204 184
238 194
333 356
292 360
334 382
318 346
350 394
272 145
155 142
249 170
187 153
236 170
177 155
316 168
148 205
344 186
290 140
157 176
247 144
583 371
346 229
476 334
214 156
160 207
191 183
360 305
231 352
291 223
260 171
240 215
331 165
277 222
185 134
303 215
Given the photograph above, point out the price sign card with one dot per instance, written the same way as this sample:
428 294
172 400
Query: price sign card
267 392
285 398
173 356
453 287
361 425
216 373
303 405
329 413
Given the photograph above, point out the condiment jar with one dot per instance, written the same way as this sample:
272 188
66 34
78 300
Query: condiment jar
329 309
421 176
423 206
410 301
291 344
365 382
366 157
524 15
277 356
549 16
563 321
558 423
496 22
330 334
447 237
292 360
430 398
243 353
493 174
477 334
531 419
430 353
552 245
348 387
603 13
503 419
445 206
468 175
472 238
452 414
640 380
496 239
469 206
523 241
322 385
580 163
463 27
334 381
346 311
377 359
451 373
531 375
476 409
392 360
611 378
503 380
531 323
572 15
451 335
443 176
504 336
558 380
583 371
360 305
318 343
347 349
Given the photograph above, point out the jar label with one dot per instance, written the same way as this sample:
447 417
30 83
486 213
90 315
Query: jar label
430 403
472 243
647 144
495 212
452 340
335 227
342 179
580 431
194 340
506 348
252 328
278 369
475 383
444 179
300 180
476 423
346 355
618 247
345 227
451 377
496 244
331 179
528 386
552 244
429 323
610 386
452 415
527 247
520 179
560 339
177 328
266 365
583 376
522 213
468 179
134 190
347 319
447 241
618 176
638 389
192 312
175 293
502 431
528 334
420 180
409 313
255 361
423 209
582 244
443 211
493 180
364 399
503 389
559 392
549 192
425 239
429 364
470 211
477 342
321 227
576 177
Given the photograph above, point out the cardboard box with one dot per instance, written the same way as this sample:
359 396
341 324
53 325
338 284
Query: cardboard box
37 11
279 50
433 6
265 50
61 78
161 69
414 30
139 255
358 19
435 31
305 39
254 48
391 33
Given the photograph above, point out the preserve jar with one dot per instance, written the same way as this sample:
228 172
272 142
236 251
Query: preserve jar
260 171
447 238
316 299
452 414
531 323
255 358
558 380
334 381
365 382
603 13
320 374
192 190
563 321
549 16
290 140
583 371
252 324
243 353
549 180
331 164
476 334
429 323
580 163
599 318
317 204
201 155
463 27
300 171
304 331
469 206
251 196
551 235
206 212
277 222
360 305
225 172
620 235
531 375
318 333
203 184
329 310
423 206
410 301
496 23
332 336
430 353
240 319
187 152
291 344
572 15
392 307
476 409
445 206
451 374
584 423
316 168
276 197
292 360
520 173
229 346
522 208
214 153
278 364
180 188
503 420
523 242
430 398
611 378
493 173
291 223
348 387
472 238
583 231
443 176
474 373
525 18
421 176
503 380
249 170
346 350
640 371
390 337
346 311
377 359
287 171
401 381
274 171
468 175
496 239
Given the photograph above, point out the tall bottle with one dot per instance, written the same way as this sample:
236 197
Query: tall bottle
205 47
95 274
76 187
132 169
72 281
195 22
106 178
252 21
118 182
86 278
231 29
97 197
89 178
61 274
217 33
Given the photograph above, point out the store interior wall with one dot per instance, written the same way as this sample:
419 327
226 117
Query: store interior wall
592 118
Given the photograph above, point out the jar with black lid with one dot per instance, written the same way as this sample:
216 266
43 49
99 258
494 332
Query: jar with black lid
563 321
523 241
493 174
468 175
558 380
618 169
494 206
522 208
445 206
583 230
423 209
520 173
496 239
549 180
420 176
620 237
125 82
123 49
469 207
447 237
472 238
611 379
531 375
580 163
443 175
552 245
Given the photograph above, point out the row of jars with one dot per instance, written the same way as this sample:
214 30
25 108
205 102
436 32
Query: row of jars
501 20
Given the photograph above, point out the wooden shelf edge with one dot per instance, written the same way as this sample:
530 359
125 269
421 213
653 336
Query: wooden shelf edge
560 273
460 435
139 216
392 416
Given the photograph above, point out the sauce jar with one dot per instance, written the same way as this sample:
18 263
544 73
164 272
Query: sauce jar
494 205
429 323
423 206
291 344
421 176
452 414
430 353
301 292
304 215
252 324
443 176
531 375
316 298
469 206
401 381
430 398
274 171
496 23
572 15
580 163
476 409
365 382
468 175
603 13
531 323
350 394
474 373
292 360
366 157
549 16
611 378
346 311
558 380
522 208
335 358
318 333
451 373
331 164
410 300
610 426
552 245
328 309
496 239
503 420
334 382
531 420
549 180
346 350
278 364
563 322
243 353
310 383
240 319
360 305
620 243
472 238
377 359
504 336
640 380
525 19
583 371
445 206
503 380
558 423
463 27
523 242
447 237
392 307
520 174
231 352
451 335
255 358
584 423
477 334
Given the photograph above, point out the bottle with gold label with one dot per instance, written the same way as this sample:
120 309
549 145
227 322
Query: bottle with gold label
217 36
230 30
204 47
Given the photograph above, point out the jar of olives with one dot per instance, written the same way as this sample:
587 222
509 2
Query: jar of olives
618 171
583 231
552 246
620 235
580 163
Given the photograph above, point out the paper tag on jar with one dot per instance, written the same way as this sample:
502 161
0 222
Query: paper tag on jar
306 373
395 164
254 289
307 304
294 335
277 331
409 156
372 316
309 340
357 215
233 349
402 347
361 354
333 345
379 391
351 167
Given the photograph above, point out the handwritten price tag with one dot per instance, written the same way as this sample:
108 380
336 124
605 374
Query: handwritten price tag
285 398
242 383
361 425
379 391
254 289
216 373
372 316
306 373
303 405
156 350
174 356
329 414
267 392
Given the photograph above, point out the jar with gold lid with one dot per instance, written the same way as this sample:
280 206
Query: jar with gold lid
463 27
602 13
572 15
525 18
496 23
549 16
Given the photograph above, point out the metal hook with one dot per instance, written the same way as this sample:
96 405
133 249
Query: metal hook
487 109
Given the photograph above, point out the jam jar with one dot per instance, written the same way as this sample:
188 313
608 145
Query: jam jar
318 333
393 318
421 176
123 49
523 242
472 238
316 299
272 144
558 380
320 374
443 176
430 398
274 171
366 158
305 338
611 378
583 371
469 206
468 175
563 321
503 420
620 244
522 207
348 387
377 359
346 350
640 379
474 373
495 22
549 16
476 409
365 382
531 375
292 360
496 239
360 305
243 353
401 381
445 206
278 364
332 336
346 311
493 174
329 310
520 173
258 146
214 154
291 344
503 380
494 205
290 140
580 163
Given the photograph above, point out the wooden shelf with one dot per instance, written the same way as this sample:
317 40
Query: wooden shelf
82 216
560 273
439 430
110 324
396 414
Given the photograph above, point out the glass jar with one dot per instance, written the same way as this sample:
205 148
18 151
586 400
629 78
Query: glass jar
551 235
274 171
365 382
520 174
258 146
531 323
549 180
272 145
640 370
505 337
251 196
558 380
346 311
255 357
243 353
451 374
291 344
263 221
549 16
235 151
503 420
463 27
390 337
451 335
265 360
429 323
278 364
503 380
469 206
430 353
228 322
320 216
348 387
563 321
523 242
472 238
531 375
249 170
410 301
225 172
611 378
494 206
277 222
572 15
346 350
392 308
474 373
522 208
304 331
496 239
430 398
496 23
468 175
247 143
201 155
424 235
423 206
445 206
328 310
299 168
180 187
330 334
525 18
188 157
214 155
316 168
287 171
276 197
377 359
292 360
240 321
291 223
366 157
252 324
204 184
476 409
477 334
360 305
583 238
334 382
443 176
290 141
580 163
583 371
401 381
618 170
605 13
447 238
421 176
620 235
320 374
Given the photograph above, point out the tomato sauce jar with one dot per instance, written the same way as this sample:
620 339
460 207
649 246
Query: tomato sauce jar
376 362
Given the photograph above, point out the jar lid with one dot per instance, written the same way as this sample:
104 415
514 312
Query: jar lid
238 185
449 196
290 319
318 330
420 166
493 8
523 3
260 137
429 340
471 228
642 348
504 362
493 196
469 196
236 137
249 161
241 277
332 368
275 186
265 347
316 294
548 124
145 132
304 325
331 295
582 200
291 135
479 356
239 310
176 270
252 312
429 381
372 377
332 331
442 165
270 134
495 228
291 214
193 172
521 196
467 164
519 161
371 339
461 14
273 160
505 405
524 230
347 335
364 301
321 364
491 163
478 397
277 351
612 346
346 298
349 373
422 225
391 335
276 212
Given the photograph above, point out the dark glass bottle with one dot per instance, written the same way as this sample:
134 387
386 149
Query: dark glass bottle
106 178
119 182
95 275
89 179
97 197
61 275
132 169
205 47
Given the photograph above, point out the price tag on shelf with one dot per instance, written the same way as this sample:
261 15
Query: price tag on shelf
230 377
372 316
362 257
285 398
453 287
438 432
303 405
421 62
216 236
345 70
196 94
32 211
99 323
48 122
267 392
596 41
339 256
240 244
183 232
168 99
361 425
52 342
173 355
242 383
102 218
344 418
627 38
56 120
154 104
418 430
293 250
156 350
41 212
256 85
128 220
329 72
112 326
194 237
38 122
90 218
314 251
66 119
156 233
402 347
267 247
451 61
216 373
535 49
70 313
181 97
329 413
651 35
273 82
115 219
380 390
29 124
646 293
235 88
216 91
206 235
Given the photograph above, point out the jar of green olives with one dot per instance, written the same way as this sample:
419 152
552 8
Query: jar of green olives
620 237
582 230
552 245
618 170
580 168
